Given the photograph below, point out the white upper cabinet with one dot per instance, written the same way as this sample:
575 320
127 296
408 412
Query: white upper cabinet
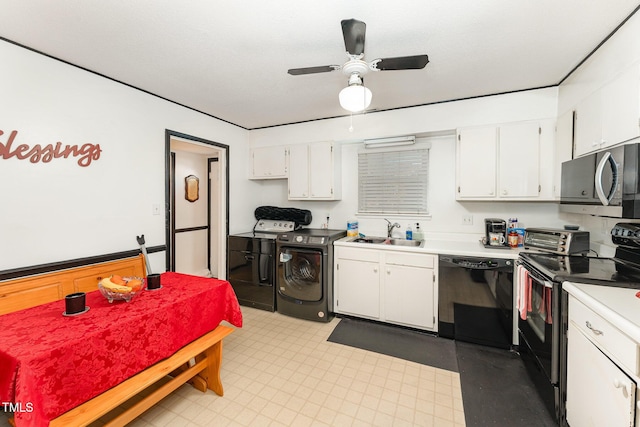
518 154
588 125
314 171
299 171
268 163
504 162
610 115
476 162
621 107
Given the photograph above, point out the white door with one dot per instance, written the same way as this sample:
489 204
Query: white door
476 164
598 392
191 216
321 170
196 250
519 178
358 288
298 172
408 295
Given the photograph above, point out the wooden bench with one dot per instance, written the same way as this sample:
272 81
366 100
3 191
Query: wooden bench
197 363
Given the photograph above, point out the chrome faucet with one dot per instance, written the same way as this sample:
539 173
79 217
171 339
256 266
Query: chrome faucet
390 227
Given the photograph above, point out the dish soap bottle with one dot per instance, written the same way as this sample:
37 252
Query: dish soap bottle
409 233
417 235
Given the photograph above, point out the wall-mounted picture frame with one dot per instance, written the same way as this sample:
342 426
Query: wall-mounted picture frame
191 188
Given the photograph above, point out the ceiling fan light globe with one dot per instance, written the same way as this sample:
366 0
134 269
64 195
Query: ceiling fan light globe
355 98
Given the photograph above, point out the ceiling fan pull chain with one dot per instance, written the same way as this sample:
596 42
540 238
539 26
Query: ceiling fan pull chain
351 122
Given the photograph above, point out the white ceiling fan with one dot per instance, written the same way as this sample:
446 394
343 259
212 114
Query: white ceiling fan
356 97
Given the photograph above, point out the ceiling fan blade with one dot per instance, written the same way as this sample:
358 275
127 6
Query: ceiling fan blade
403 63
353 32
313 70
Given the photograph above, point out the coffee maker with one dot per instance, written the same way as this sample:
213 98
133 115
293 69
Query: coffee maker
493 227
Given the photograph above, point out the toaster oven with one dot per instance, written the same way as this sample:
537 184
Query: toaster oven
561 242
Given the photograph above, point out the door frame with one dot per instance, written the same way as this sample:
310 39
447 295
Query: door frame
169 219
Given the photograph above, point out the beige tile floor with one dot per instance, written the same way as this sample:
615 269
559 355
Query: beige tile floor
282 371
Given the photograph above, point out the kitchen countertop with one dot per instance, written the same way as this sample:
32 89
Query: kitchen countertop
619 306
439 247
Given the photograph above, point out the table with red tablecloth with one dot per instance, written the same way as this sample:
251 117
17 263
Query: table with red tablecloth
50 363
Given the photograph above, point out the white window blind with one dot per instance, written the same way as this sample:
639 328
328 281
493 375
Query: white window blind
393 182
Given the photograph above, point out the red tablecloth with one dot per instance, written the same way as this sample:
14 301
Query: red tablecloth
50 363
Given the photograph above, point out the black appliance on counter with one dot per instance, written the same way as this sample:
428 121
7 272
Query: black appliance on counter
604 183
543 326
251 258
495 227
475 300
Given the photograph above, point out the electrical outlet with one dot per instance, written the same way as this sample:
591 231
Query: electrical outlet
467 219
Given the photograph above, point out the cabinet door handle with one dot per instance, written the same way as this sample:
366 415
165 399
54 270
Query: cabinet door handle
619 384
375 270
388 271
595 331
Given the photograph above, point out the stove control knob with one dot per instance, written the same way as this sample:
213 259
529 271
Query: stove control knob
298 239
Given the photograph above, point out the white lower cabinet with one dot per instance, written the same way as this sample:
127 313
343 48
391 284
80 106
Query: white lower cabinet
359 293
408 290
599 392
387 285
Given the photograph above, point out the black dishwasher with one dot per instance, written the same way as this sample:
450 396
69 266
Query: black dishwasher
475 300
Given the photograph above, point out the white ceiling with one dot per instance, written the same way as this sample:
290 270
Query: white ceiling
230 59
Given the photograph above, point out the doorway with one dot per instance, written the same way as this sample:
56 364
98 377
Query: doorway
196 208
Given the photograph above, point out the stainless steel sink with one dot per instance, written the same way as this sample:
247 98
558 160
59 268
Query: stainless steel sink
370 240
402 242
384 240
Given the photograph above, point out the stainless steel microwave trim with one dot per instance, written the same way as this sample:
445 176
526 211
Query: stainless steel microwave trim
604 183
606 199
597 210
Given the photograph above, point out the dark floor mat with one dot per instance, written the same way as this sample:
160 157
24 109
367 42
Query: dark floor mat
496 389
419 347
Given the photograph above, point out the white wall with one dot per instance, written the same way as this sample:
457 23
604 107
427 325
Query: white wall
446 212
58 211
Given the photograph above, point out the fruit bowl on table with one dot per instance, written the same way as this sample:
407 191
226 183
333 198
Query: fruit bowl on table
116 288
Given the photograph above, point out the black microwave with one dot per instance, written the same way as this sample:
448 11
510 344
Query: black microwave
605 183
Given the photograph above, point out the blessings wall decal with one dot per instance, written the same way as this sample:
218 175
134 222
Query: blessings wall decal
85 153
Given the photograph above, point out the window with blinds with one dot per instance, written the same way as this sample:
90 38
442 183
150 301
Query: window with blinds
393 182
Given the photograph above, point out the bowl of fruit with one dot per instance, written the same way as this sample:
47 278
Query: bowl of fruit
118 288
